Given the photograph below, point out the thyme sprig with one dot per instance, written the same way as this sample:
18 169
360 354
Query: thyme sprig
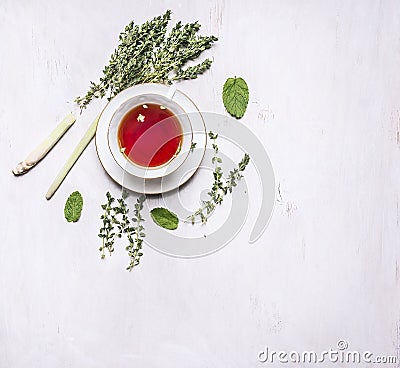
236 174
136 234
107 233
219 188
146 54
116 223
122 210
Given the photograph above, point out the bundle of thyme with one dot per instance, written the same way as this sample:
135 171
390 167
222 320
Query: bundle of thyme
116 223
219 188
146 54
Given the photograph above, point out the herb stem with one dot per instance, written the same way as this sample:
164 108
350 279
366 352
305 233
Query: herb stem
106 232
81 146
219 188
44 148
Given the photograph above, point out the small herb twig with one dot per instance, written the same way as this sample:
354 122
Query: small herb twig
107 230
136 234
215 193
219 188
122 210
236 174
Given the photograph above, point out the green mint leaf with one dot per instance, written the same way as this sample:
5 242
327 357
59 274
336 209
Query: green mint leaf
235 96
164 218
73 207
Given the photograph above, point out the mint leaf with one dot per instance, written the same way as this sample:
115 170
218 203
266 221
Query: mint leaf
73 207
235 96
164 218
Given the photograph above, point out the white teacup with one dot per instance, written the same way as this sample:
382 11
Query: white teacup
122 157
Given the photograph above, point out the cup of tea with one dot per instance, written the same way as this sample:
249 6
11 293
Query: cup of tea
150 136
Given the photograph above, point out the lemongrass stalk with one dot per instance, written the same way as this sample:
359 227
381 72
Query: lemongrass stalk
43 149
83 143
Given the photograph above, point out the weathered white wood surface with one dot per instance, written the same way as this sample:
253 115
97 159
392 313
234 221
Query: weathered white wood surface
324 79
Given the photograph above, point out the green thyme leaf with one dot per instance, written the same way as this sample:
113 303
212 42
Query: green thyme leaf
235 96
164 218
73 207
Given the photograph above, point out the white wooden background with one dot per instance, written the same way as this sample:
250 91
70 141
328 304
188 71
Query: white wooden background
324 80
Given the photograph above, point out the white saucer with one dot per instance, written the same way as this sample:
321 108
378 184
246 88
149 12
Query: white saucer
169 181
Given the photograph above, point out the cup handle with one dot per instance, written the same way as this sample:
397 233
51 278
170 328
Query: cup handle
171 92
